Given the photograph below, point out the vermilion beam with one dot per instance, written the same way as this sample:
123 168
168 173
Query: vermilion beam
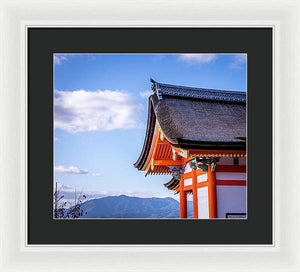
166 162
232 182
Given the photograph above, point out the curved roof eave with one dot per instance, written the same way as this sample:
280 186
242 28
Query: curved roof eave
148 136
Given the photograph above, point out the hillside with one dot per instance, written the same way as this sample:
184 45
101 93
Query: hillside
132 207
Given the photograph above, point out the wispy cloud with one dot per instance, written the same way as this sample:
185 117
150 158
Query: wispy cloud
238 61
69 192
197 58
73 170
146 94
58 60
83 110
96 174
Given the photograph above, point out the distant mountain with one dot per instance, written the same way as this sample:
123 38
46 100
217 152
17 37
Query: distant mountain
132 207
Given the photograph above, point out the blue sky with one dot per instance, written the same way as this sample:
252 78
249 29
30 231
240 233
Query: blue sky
101 114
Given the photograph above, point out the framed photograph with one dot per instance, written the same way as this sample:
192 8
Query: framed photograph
196 141
141 143
195 136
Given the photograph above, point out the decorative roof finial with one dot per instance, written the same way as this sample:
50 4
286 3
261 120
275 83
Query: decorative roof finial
152 80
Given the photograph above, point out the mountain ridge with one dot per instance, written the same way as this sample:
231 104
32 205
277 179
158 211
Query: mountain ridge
124 206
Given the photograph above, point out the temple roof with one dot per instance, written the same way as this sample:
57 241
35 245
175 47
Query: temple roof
196 118
172 184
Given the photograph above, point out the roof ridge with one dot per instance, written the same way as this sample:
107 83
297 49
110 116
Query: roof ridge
163 89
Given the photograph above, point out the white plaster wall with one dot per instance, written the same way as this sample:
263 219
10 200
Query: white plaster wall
202 178
203 203
230 176
188 181
231 199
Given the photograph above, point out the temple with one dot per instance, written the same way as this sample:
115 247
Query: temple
199 137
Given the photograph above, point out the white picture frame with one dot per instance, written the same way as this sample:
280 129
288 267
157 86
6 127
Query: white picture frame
281 15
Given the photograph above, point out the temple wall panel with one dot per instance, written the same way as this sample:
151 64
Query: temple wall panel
231 199
188 181
230 176
201 178
203 203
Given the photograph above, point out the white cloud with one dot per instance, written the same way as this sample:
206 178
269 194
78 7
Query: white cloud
197 58
146 94
83 110
73 170
59 59
238 61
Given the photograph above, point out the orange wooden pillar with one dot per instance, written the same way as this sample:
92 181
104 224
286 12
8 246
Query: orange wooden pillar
212 193
195 194
183 200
